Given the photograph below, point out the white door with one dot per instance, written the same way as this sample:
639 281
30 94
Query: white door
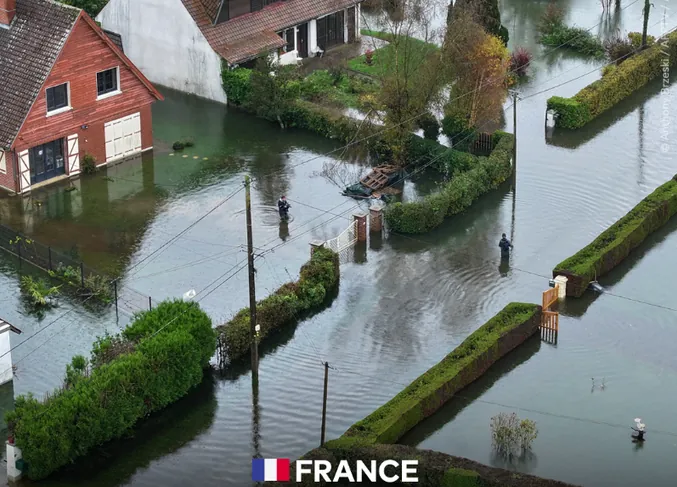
123 137
73 155
25 170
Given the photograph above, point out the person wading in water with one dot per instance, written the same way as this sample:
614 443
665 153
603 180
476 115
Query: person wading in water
505 246
283 207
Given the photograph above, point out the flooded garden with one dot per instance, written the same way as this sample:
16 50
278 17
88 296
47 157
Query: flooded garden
403 303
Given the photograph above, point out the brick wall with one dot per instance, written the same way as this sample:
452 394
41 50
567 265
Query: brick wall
7 177
83 55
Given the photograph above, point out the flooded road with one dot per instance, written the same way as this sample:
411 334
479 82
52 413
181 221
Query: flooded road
404 303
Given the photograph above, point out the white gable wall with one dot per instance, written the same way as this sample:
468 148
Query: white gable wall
161 38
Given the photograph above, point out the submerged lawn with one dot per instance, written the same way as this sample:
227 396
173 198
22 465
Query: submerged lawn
400 50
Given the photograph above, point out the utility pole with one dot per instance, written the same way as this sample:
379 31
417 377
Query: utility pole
252 284
647 7
324 402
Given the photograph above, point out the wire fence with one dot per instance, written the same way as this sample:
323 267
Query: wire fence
88 282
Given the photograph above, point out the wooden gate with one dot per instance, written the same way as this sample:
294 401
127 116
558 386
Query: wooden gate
550 319
483 145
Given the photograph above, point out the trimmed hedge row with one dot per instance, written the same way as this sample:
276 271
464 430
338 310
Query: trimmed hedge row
472 178
616 242
429 392
151 364
319 276
616 85
434 469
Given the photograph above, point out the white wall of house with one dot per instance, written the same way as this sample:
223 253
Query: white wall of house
6 372
161 38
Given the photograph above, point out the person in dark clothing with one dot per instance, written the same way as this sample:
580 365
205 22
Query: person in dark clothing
505 246
283 207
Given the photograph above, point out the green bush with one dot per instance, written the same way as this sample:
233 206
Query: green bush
37 291
430 126
102 402
594 99
616 242
437 385
319 276
636 39
575 38
460 134
484 174
236 83
89 164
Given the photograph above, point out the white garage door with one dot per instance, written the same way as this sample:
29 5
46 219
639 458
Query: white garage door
123 137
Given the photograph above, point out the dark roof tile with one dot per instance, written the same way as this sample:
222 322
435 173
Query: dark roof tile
28 50
116 39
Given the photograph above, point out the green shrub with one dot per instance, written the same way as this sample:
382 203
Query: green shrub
575 38
460 134
483 175
99 287
37 291
459 477
636 39
89 164
616 242
437 385
178 145
236 84
616 85
607 69
318 277
102 402
430 126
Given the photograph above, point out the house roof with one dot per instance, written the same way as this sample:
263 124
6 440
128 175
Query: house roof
28 50
245 37
116 38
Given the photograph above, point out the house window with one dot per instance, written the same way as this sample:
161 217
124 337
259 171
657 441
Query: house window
3 162
57 97
288 36
107 81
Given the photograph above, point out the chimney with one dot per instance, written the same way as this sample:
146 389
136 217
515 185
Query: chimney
7 11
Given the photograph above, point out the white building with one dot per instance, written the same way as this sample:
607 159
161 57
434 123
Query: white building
6 369
181 44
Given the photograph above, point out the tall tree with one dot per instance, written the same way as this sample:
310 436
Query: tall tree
485 13
411 72
480 63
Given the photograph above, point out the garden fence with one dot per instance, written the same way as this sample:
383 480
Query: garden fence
72 270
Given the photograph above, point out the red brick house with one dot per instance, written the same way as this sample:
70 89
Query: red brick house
66 90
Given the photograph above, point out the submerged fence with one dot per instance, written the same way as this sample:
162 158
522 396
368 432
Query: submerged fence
90 282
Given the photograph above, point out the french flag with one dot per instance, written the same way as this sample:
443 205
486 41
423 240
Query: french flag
270 469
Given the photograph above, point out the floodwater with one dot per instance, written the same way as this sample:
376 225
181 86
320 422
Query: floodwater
403 304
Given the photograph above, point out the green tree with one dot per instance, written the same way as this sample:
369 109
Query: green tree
485 13
92 7
274 90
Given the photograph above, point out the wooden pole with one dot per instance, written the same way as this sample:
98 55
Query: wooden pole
324 402
82 274
252 283
647 7
115 290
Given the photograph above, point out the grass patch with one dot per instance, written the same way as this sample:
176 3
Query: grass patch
400 50
615 243
431 390
336 89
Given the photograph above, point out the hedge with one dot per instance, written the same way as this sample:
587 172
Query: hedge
616 242
429 392
475 176
150 365
434 469
319 276
615 86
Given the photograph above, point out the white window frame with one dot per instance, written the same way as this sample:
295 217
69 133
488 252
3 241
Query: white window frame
112 93
3 162
67 108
